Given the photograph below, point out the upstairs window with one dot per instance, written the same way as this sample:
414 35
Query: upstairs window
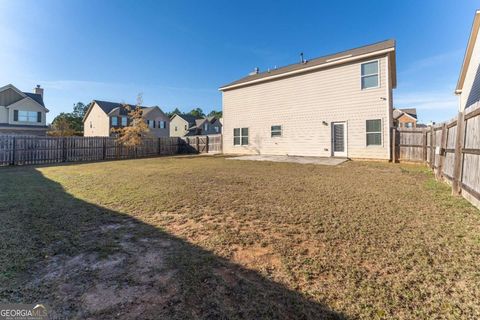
176 128
240 136
162 124
205 127
124 121
217 129
374 132
28 116
276 131
151 123
114 121
369 76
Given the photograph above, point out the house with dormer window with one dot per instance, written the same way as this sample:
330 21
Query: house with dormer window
22 113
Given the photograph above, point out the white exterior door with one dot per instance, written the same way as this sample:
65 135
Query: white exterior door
339 139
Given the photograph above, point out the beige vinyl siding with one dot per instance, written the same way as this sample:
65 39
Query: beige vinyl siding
26 104
300 104
157 115
471 87
180 124
100 123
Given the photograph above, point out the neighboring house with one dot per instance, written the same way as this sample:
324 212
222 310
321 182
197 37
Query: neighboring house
205 126
337 105
468 86
22 113
180 124
102 116
405 118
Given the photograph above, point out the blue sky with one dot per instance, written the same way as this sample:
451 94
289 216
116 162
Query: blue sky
178 53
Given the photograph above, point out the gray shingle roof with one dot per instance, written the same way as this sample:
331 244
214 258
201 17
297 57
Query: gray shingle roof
387 44
35 96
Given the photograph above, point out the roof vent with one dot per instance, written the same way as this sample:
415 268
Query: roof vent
302 60
255 71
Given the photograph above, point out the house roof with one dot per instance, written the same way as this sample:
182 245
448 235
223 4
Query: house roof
34 96
187 117
387 46
468 52
411 112
37 97
109 107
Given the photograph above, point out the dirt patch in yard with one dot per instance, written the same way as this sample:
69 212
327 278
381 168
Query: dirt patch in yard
206 238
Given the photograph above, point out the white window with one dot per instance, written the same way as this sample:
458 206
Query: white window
408 125
217 129
151 123
240 136
162 124
370 78
276 131
114 121
27 116
374 132
124 121
205 127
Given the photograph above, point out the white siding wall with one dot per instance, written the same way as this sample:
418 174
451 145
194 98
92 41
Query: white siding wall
471 87
3 114
300 104
100 123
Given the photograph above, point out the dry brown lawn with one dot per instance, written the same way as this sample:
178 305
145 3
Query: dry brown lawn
210 238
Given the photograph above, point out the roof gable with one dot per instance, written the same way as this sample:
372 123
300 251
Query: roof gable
27 99
384 47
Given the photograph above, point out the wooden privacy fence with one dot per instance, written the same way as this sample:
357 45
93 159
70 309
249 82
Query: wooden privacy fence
29 150
202 144
451 149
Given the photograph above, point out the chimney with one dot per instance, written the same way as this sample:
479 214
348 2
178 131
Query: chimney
38 90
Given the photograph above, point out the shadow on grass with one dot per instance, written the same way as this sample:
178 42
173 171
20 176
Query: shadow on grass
86 261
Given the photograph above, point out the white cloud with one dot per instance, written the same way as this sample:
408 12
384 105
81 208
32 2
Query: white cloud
427 100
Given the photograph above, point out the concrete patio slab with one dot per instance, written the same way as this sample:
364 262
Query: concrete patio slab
293 159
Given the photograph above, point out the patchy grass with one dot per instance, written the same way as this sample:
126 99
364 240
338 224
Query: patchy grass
204 237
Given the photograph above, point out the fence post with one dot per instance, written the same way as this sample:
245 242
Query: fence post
104 148
458 157
159 146
443 146
394 145
207 141
432 147
197 142
12 163
64 149
425 145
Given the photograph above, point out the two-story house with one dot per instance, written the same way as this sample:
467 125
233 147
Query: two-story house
22 113
102 116
338 105
187 125
405 118
180 124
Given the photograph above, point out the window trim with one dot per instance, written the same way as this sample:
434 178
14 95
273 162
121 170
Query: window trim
126 121
281 131
381 134
368 75
240 136
111 121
